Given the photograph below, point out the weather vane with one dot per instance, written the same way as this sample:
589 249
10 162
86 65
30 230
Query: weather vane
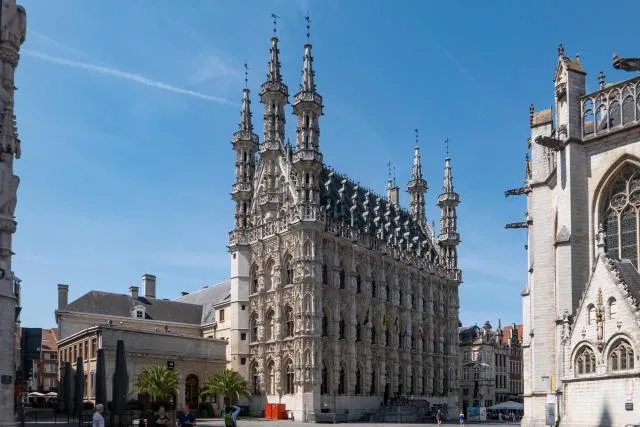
246 74
446 143
275 23
308 19
416 131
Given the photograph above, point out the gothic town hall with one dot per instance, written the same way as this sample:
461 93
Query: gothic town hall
352 299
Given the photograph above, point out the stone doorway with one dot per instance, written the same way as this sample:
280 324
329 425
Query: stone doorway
191 391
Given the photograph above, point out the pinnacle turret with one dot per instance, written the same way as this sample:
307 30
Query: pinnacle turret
273 72
447 201
308 84
245 116
417 188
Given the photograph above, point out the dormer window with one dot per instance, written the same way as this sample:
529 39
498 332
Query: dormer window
139 312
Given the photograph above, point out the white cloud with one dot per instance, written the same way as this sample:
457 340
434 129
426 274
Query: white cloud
125 76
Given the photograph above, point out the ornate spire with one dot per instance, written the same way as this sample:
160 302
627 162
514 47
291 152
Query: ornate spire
245 114
308 84
273 72
447 201
417 188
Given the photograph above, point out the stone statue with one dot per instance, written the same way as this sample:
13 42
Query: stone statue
600 325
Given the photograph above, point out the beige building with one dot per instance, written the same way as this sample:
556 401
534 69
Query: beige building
155 332
581 303
490 365
352 299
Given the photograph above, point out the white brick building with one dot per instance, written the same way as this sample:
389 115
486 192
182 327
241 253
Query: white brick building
581 303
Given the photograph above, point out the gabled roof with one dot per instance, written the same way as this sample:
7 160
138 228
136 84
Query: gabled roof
110 304
467 334
207 297
629 279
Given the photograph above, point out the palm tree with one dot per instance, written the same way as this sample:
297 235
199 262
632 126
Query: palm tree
157 381
226 383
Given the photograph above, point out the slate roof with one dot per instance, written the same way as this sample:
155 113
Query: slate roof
110 304
630 276
347 202
207 297
467 334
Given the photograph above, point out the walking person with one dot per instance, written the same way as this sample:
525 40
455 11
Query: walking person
439 417
230 414
98 420
461 418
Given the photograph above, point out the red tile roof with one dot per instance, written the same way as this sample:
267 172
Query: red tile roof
506 333
49 340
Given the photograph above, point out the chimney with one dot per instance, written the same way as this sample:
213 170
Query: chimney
133 292
63 296
149 285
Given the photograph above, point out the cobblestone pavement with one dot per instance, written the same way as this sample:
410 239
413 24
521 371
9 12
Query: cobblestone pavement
284 423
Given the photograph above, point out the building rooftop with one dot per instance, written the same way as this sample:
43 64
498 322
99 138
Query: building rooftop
208 297
49 340
119 305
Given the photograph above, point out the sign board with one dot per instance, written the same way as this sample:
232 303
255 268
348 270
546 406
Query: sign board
171 364
473 414
6 380
628 406
483 414
550 410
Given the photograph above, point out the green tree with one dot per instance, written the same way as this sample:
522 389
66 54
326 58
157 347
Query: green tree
226 383
157 381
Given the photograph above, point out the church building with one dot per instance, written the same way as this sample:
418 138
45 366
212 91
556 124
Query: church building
352 299
581 306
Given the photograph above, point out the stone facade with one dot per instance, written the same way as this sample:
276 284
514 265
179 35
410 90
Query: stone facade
490 365
353 300
13 22
582 210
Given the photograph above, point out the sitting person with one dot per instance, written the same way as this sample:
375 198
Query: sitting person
230 414
186 418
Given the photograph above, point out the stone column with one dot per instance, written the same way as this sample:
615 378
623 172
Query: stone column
12 35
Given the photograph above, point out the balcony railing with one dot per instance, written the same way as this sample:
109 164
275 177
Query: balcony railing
613 108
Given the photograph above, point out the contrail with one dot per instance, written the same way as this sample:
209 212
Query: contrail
464 70
125 76
59 44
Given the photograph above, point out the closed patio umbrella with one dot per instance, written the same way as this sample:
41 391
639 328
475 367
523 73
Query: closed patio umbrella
120 381
78 389
101 379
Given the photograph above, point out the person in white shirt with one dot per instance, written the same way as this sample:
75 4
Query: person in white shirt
98 419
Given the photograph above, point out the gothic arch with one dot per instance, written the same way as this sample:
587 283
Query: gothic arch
289 321
287 269
612 308
254 378
289 376
613 340
620 355
253 327
254 278
325 378
359 378
602 189
269 324
268 274
270 377
359 280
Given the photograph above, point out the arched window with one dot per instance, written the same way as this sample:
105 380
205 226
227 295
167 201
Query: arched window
358 387
341 328
268 275
342 280
386 337
255 379
620 215
613 309
269 326
621 356
325 324
324 385
254 279
341 381
289 377
358 283
287 278
400 381
358 331
289 325
373 334
591 309
253 326
271 378
374 381
325 274
585 361
373 288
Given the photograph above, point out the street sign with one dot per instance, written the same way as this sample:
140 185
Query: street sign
171 364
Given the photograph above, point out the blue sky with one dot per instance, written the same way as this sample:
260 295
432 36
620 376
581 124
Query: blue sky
126 110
